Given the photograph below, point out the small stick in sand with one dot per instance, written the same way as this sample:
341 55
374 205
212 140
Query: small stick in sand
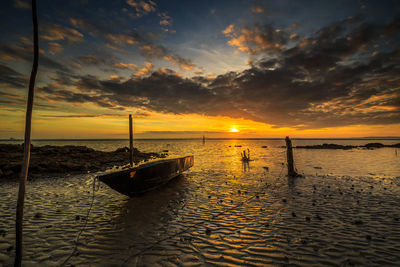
27 143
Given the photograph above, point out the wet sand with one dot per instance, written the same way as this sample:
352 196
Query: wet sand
317 220
220 213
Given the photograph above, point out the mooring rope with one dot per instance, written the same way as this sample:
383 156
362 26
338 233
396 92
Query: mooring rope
94 189
266 185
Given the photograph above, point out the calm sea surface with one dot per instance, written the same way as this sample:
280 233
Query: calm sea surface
345 210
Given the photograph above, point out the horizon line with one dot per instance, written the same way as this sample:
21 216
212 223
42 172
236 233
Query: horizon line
211 138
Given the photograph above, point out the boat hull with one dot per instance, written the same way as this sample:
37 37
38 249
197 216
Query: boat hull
146 177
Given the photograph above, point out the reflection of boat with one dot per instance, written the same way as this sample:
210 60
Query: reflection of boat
147 176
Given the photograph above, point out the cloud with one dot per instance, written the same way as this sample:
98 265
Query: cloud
142 7
145 70
25 53
257 39
229 30
125 66
118 41
327 79
257 9
55 32
165 19
165 22
22 4
10 77
125 39
83 116
55 48
182 63
92 60
157 51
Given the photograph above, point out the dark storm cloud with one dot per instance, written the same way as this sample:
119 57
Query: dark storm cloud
338 76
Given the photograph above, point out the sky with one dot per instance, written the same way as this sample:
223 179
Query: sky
184 69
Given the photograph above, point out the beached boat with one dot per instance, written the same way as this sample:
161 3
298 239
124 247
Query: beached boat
148 176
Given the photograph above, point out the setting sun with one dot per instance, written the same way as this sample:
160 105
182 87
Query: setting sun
233 130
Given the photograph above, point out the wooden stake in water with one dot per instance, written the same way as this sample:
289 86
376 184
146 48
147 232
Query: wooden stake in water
289 153
27 143
130 141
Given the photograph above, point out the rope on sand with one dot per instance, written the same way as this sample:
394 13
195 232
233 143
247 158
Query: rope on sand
94 189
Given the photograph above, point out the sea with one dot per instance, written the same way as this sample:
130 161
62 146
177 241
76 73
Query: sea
345 210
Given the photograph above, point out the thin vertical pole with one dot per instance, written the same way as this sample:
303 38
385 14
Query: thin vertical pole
130 141
289 153
27 143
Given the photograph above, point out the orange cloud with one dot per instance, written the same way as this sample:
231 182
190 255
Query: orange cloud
114 77
257 9
125 66
183 64
54 32
198 72
142 7
228 30
253 41
145 70
121 39
294 36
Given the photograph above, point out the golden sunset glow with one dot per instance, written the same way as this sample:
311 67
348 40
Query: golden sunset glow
239 74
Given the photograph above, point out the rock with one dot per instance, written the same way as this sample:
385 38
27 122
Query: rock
374 145
327 146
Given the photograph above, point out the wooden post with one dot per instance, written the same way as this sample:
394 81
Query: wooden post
289 153
130 141
27 143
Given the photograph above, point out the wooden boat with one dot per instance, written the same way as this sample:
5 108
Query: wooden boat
148 176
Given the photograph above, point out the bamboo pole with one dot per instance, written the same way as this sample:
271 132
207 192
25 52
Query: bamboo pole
27 144
289 153
130 141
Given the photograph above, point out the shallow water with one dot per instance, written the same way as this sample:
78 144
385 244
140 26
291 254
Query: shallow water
220 211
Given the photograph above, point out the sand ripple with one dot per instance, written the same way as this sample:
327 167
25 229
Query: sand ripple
220 216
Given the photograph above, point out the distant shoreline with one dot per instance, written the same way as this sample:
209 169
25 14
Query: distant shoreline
200 138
